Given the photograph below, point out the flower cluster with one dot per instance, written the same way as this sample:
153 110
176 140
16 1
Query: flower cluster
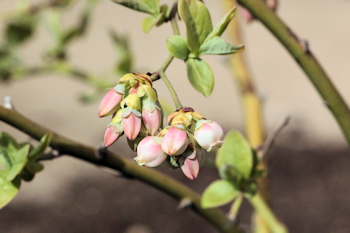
134 107
182 143
135 111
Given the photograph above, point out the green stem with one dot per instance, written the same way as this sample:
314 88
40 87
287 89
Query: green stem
170 87
252 108
236 205
62 68
129 168
265 212
165 65
175 26
303 56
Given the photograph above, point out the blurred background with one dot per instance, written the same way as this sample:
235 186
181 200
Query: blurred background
309 163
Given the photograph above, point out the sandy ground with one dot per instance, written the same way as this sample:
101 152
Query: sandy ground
309 165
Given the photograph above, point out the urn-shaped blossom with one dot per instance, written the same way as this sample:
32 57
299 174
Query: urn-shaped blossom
151 109
175 140
208 134
190 167
149 152
110 103
131 116
114 129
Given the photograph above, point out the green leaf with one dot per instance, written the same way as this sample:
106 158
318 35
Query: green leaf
4 158
122 49
54 24
39 150
34 167
164 12
218 193
218 46
149 22
198 22
146 6
177 47
26 175
230 173
8 189
200 75
18 32
222 25
249 188
7 140
18 161
236 152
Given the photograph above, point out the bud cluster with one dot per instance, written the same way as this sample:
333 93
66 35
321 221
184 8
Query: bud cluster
134 107
182 143
135 111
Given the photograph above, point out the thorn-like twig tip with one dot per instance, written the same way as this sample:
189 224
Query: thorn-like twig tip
8 103
101 152
184 203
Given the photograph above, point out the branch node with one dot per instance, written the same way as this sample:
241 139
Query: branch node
154 76
8 103
100 152
184 204
52 154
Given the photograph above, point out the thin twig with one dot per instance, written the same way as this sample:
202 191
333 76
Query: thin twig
160 181
263 154
305 59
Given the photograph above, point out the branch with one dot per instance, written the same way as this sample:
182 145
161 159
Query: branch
129 168
254 126
303 56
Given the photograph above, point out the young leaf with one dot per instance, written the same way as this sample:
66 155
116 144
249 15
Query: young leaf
27 175
198 22
218 46
4 158
149 22
230 173
18 32
18 161
8 189
222 25
146 6
41 147
200 75
54 24
34 167
218 193
236 152
6 139
124 62
177 47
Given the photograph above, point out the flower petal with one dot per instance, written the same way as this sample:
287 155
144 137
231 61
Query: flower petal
110 136
110 103
151 120
175 141
149 152
190 168
132 126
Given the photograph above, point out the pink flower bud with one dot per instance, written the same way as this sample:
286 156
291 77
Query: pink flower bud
131 123
175 140
208 134
246 15
190 168
111 135
152 120
149 152
110 103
